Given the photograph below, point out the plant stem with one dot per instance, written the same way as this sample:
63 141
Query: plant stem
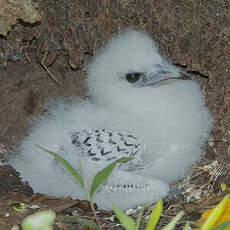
94 214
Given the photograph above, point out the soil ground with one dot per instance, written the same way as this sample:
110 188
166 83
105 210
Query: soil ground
194 35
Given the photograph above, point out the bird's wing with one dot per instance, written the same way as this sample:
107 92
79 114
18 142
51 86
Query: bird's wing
108 145
125 188
125 185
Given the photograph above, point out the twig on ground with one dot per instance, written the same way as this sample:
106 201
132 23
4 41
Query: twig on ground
48 71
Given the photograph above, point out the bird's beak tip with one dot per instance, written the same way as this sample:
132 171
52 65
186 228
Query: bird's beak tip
185 76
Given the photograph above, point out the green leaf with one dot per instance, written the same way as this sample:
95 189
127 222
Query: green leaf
42 220
66 164
155 216
193 224
174 221
126 221
215 215
187 226
75 219
102 175
19 207
15 227
223 226
137 225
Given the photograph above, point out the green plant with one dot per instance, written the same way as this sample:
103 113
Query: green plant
209 224
42 220
126 221
129 223
220 213
98 179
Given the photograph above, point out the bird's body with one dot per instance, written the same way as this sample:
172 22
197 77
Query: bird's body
161 125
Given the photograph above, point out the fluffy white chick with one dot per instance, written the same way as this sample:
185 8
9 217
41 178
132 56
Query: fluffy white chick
140 107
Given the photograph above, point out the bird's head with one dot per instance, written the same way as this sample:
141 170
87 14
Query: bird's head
128 65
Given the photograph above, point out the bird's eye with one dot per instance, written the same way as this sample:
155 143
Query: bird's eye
133 77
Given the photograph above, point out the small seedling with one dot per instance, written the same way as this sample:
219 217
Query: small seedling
98 179
129 223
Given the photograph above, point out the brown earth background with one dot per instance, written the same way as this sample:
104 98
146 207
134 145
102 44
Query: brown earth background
47 59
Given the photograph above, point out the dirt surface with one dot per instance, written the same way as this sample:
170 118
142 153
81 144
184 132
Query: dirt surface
48 59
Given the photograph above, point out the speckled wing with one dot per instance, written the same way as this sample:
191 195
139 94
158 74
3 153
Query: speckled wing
126 184
108 145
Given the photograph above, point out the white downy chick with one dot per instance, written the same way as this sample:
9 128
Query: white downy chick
142 107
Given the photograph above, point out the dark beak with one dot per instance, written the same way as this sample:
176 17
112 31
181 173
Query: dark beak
166 76
163 74
184 76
